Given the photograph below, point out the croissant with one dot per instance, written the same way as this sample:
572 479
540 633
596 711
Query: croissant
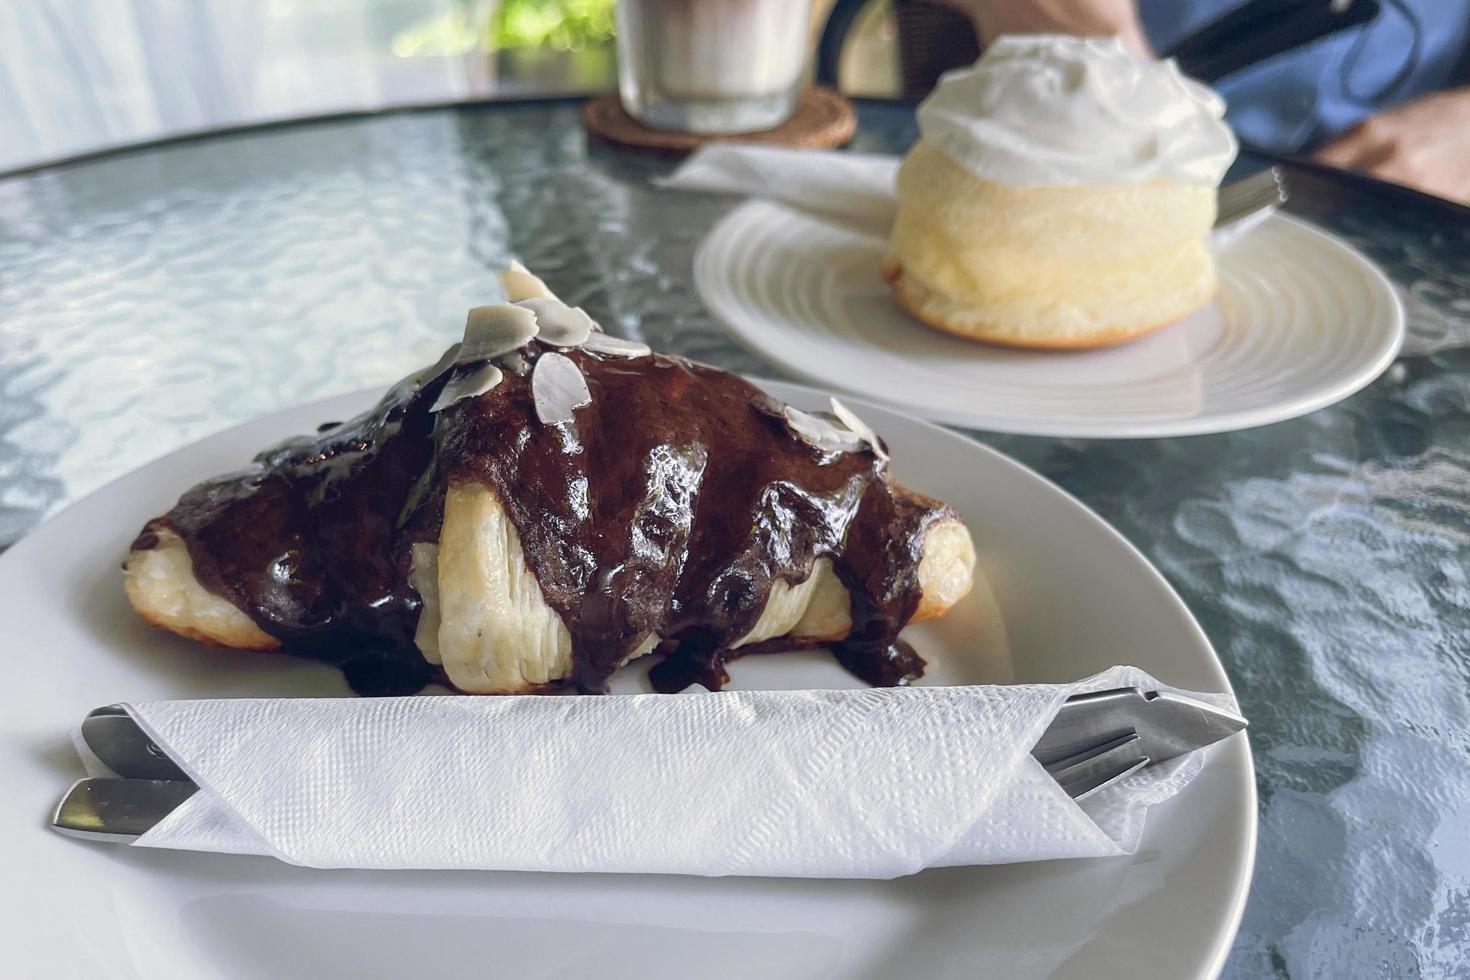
547 503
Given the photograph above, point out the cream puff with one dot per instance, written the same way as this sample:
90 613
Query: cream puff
1060 196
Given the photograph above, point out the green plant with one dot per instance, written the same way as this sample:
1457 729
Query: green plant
563 24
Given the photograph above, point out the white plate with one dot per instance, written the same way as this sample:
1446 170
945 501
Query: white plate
1067 597
1301 320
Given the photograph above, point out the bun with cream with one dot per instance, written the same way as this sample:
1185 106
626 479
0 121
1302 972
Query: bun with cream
1060 196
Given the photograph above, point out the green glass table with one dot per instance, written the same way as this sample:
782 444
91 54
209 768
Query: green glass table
152 297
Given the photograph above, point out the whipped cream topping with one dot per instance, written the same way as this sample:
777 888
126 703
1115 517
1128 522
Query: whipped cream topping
1047 110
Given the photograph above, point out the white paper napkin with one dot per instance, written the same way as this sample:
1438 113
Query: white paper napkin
853 188
847 784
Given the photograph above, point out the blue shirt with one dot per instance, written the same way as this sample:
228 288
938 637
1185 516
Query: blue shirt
1302 97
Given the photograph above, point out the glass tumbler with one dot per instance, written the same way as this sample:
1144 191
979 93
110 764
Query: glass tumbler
711 66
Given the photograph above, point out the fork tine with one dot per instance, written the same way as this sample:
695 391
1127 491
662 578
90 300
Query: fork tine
1087 770
1081 791
1121 754
1254 193
1272 192
1106 744
1261 180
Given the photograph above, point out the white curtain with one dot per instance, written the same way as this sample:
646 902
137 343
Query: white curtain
80 75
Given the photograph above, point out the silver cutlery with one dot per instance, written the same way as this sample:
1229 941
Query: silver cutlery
1100 737
1244 204
1096 740
118 811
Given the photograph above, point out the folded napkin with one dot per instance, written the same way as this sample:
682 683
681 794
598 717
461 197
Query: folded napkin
864 783
853 188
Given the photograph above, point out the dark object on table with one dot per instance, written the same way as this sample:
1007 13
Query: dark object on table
1320 192
822 120
931 41
1263 29
934 39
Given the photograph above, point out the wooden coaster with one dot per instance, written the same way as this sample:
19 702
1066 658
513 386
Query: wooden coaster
822 120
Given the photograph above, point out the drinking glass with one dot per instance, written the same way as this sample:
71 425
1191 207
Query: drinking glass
711 66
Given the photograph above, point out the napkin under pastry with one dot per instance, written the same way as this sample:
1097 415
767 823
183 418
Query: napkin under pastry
870 783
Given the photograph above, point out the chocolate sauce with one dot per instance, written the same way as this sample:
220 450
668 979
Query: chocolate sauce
669 506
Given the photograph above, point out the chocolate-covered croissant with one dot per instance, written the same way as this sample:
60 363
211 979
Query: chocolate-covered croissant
547 503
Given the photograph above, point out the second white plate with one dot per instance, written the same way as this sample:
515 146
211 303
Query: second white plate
1301 320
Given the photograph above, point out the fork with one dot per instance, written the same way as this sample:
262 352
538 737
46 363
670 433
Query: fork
1100 766
1244 204
1101 737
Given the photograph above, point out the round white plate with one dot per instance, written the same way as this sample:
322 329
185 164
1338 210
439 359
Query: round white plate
1066 597
1301 320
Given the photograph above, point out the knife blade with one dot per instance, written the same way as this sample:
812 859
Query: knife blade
1168 725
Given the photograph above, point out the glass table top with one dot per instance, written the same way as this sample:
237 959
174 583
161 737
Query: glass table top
155 296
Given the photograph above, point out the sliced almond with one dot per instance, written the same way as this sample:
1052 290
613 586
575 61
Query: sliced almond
446 361
558 388
859 428
467 384
490 331
560 325
820 433
601 343
519 283
515 362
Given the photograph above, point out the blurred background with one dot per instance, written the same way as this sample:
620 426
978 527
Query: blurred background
77 76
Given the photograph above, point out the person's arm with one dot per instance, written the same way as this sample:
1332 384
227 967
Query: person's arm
1424 144
1085 18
